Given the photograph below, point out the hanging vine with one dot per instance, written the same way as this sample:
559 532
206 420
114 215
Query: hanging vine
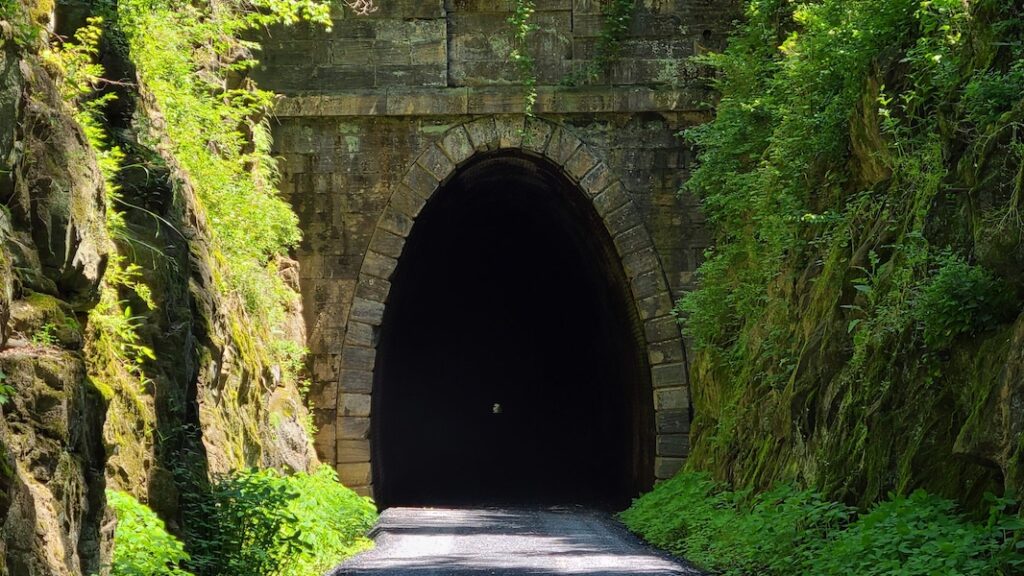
616 18
522 12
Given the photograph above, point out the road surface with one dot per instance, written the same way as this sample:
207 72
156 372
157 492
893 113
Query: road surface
506 542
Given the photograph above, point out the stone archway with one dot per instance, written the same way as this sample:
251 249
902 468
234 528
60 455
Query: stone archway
633 248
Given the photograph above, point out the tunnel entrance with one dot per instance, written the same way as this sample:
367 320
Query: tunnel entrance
510 366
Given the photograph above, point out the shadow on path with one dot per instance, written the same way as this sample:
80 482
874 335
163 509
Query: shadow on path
506 542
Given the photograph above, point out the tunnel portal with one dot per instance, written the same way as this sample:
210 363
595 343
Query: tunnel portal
510 368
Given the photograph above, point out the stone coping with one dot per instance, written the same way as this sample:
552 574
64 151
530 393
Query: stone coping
494 100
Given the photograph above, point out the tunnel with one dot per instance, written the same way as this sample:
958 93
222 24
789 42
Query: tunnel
510 368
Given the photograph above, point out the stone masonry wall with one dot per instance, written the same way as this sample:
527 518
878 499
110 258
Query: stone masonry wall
368 97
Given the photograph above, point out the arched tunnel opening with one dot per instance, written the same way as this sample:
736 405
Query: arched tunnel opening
510 367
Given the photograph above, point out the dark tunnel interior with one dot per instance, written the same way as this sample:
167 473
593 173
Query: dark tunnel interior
509 368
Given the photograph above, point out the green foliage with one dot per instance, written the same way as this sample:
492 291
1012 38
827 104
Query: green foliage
616 16
921 535
261 522
787 531
856 144
115 352
142 545
189 59
6 389
519 20
46 335
959 299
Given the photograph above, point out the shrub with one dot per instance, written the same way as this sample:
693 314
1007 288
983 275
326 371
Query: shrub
788 531
259 522
918 535
142 546
960 299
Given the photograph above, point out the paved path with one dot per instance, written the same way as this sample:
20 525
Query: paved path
506 542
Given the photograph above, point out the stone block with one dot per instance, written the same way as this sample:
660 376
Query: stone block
654 306
637 263
671 399
536 133
323 367
353 427
647 284
562 145
668 375
673 445
418 102
410 75
353 451
387 243
456 144
323 392
509 130
482 133
623 219
672 421
367 311
666 467
420 181
356 381
355 474
365 491
493 99
670 351
437 163
354 358
596 180
396 222
610 199
662 329
359 334
631 240
581 163
326 436
379 265
354 404
374 289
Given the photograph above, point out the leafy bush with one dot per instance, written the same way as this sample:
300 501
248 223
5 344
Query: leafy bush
960 299
919 535
260 522
788 531
142 546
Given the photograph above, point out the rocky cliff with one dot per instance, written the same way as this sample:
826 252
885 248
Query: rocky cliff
79 413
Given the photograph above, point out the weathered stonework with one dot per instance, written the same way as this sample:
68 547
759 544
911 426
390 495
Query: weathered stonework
381 110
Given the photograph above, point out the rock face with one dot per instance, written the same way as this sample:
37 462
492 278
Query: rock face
73 425
55 249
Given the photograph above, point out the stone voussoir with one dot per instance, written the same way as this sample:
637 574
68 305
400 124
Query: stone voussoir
356 381
353 427
456 144
668 375
420 182
672 399
482 133
379 265
536 134
582 162
597 180
387 243
354 404
367 311
562 146
357 358
437 163
509 130
662 329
